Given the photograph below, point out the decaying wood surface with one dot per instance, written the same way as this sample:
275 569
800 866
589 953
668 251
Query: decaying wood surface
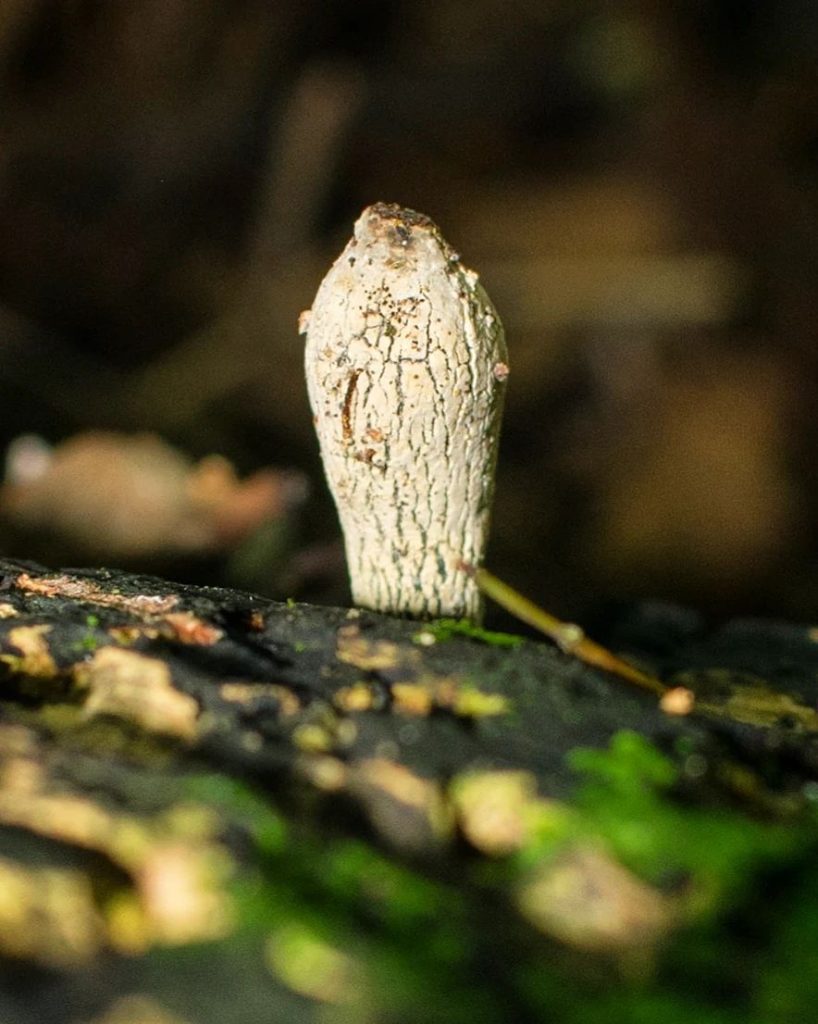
406 363
177 763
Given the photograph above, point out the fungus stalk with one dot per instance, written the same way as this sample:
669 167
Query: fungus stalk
406 364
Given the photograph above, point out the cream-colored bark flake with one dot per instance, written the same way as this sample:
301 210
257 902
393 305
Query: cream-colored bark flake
130 685
34 658
406 366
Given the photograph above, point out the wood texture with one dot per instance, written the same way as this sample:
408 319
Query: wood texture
216 807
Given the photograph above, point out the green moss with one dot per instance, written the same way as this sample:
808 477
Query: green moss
410 932
445 629
86 644
236 800
625 801
445 943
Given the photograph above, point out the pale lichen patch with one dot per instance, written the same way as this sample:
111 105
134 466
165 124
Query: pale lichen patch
129 685
176 866
410 811
585 899
48 915
354 648
412 698
323 771
29 654
313 738
495 810
180 900
358 697
431 691
246 693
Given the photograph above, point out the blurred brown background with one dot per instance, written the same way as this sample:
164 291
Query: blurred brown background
637 184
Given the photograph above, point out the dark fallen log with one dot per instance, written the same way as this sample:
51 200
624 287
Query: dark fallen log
214 807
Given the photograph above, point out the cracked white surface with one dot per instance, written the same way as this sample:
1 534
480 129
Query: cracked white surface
406 368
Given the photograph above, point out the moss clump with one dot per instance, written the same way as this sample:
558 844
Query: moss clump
445 629
411 938
626 799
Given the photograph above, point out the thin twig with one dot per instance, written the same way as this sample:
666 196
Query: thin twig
568 637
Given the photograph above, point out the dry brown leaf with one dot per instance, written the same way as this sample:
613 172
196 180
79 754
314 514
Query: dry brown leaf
132 495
